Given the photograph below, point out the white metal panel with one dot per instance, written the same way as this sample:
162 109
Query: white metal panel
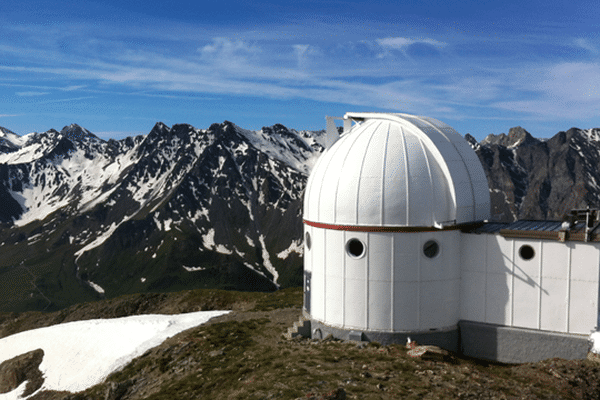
327 187
433 269
406 306
308 253
498 300
525 302
406 267
334 277
584 262
349 172
380 257
499 255
527 270
356 268
473 295
419 184
554 303
439 302
473 252
556 260
443 202
334 300
355 305
451 253
335 252
583 306
395 195
370 211
406 257
356 283
317 302
380 306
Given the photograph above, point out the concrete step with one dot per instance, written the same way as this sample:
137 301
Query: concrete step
300 328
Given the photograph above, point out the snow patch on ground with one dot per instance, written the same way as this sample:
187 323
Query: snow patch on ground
81 354
595 342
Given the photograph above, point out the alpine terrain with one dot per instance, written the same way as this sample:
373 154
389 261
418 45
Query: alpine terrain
180 208
83 218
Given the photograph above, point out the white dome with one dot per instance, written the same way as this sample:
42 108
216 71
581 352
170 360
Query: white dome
397 170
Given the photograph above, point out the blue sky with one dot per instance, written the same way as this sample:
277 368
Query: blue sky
118 67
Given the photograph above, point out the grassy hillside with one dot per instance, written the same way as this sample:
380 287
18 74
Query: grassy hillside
243 355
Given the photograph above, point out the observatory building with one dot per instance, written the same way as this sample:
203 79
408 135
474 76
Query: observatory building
398 245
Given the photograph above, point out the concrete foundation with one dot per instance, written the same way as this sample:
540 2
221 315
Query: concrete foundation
447 339
519 345
478 340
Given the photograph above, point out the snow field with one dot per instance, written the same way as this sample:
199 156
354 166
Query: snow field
81 354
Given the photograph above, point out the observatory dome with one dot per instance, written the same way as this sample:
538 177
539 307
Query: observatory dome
397 170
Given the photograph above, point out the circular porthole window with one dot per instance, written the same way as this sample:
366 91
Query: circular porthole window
308 242
431 248
355 248
526 252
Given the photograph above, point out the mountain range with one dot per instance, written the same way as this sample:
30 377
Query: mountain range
82 218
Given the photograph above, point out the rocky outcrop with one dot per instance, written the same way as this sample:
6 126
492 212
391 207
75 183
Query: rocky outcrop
22 368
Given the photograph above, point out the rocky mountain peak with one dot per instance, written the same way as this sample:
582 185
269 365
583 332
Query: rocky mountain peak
76 132
516 137
472 141
4 132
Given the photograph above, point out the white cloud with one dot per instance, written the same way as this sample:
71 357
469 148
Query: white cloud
31 94
226 48
565 90
303 53
401 43
584 44
395 43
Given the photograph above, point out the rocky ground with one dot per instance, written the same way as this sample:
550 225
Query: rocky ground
244 355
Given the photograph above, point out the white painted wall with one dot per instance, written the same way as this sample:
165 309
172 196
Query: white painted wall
557 290
393 287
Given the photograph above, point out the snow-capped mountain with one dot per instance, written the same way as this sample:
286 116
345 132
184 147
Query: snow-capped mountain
178 208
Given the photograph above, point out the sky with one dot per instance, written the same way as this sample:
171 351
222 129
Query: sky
118 67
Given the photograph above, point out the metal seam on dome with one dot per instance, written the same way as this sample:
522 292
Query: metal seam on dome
362 165
337 186
385 147
321 185
474 207
407 174
408 119
431 198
